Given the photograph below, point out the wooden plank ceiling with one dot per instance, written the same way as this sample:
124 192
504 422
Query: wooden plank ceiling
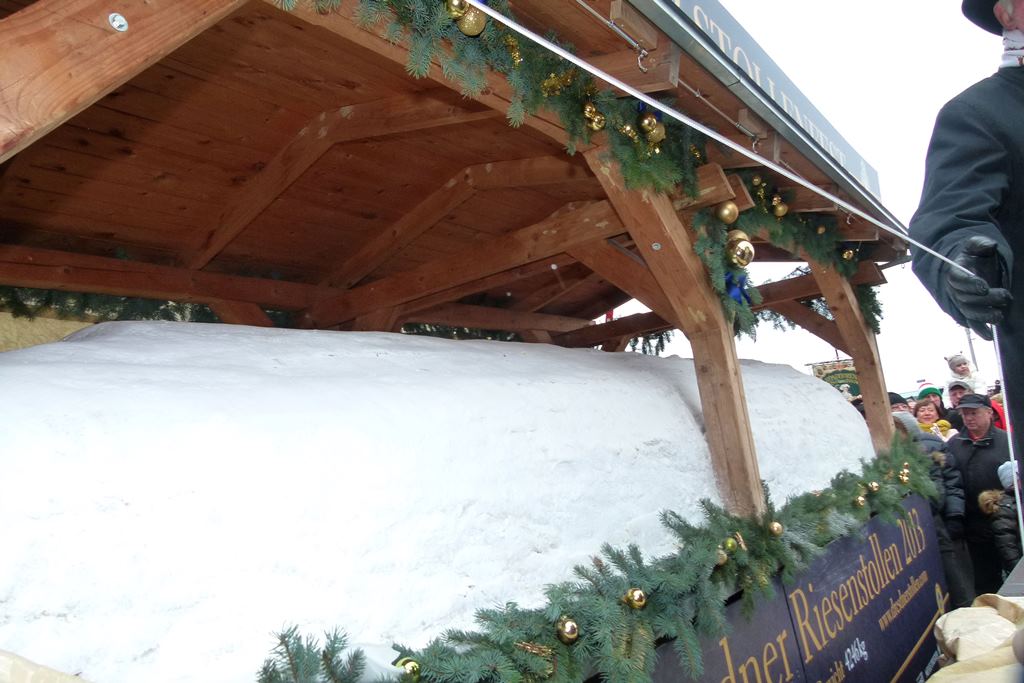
293 148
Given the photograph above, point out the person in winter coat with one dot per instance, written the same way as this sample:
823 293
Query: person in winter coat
947 508
1001 507
979 451
928 420
972 202
961 371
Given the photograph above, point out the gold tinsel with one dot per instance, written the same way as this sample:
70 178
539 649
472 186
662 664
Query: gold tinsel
512 44
555 83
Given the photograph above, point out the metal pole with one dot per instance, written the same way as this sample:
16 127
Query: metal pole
970 347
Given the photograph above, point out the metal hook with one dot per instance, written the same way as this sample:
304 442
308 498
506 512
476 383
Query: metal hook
641 55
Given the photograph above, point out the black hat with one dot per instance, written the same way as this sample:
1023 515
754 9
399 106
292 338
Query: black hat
980 13
896 399
974 401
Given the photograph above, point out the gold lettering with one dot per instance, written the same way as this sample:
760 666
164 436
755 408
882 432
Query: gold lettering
800 612
768 656
785 657
731 676
826 610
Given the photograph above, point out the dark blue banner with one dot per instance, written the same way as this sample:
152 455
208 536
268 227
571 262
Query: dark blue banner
864 611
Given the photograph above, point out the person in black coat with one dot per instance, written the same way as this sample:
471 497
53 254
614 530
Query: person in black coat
979 451
972 204
1001 507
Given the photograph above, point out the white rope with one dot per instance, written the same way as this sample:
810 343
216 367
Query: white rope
696 125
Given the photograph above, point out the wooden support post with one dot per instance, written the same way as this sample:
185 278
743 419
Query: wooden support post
860 343
240 313
536 336
667 247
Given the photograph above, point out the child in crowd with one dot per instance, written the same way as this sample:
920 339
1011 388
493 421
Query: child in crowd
1001 506
961 370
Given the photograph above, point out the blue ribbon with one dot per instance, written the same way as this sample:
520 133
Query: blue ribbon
737 288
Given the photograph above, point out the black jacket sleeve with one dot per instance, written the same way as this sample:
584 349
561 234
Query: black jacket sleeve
967 177
953 487
1005 534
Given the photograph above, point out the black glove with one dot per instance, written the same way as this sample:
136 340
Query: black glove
979 297
955 527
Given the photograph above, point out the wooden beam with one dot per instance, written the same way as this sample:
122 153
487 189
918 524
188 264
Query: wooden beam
60 56
806 286
388 117
383 245
490 318
627 271
629 326
65 271
813 322
802 200
860 344
742 197
662 69
548 170
503 279
381 320
565 281
616 345
497 94
636 25
667 247
240 313
769 148
588 221
536 336
712 187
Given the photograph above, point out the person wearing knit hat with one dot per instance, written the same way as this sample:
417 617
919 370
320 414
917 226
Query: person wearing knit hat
972 203
1001 508
927 391
898 403
961 370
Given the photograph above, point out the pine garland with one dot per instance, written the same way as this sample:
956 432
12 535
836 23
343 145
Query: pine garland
685 592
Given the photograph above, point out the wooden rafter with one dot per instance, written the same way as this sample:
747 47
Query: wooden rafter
592 220
628 327
65 271
812 321
564 283
497 94
626 270
490 318
380 247
240 313
388 117
60 56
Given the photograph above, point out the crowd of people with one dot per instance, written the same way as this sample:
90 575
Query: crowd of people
976 510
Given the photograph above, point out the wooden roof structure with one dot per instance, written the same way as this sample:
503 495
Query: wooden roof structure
239 155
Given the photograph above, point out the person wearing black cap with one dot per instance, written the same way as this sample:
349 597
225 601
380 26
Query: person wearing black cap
898 403
978 452
972 203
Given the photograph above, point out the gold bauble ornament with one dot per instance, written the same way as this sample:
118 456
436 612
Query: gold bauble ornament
473 22
589 110
568 630
874 487
756 181
629 131
456 8
727 212
860 501
822 230
596 122
906 466
657 134
776 528
780 209
648 121
739 249
635 598
848 254
730 545
904 477
410 666
722 557
696 154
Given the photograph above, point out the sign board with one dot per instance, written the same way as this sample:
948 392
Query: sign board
841 374
864 611
739 47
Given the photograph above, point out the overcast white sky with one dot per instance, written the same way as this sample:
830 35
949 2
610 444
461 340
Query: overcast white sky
879 72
